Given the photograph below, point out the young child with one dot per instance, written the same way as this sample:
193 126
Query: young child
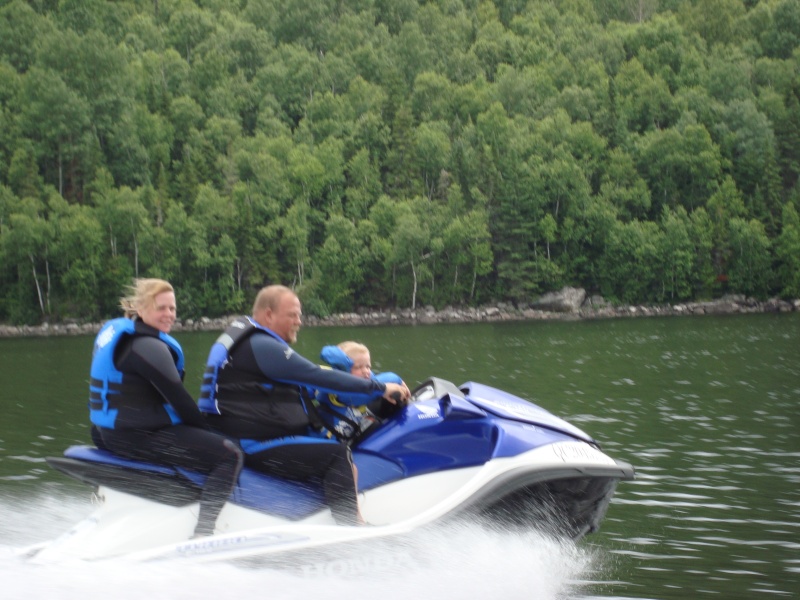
347 415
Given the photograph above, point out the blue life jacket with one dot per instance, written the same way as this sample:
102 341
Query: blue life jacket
116 397
218 357
249 405
344 414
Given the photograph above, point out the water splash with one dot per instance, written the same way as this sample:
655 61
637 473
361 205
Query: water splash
453 561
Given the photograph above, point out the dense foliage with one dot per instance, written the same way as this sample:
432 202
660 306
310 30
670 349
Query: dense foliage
377 153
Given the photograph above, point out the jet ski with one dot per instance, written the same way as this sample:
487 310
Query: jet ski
453 452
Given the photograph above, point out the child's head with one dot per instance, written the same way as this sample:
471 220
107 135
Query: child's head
359 354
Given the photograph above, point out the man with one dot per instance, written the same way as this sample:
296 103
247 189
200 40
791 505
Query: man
258 390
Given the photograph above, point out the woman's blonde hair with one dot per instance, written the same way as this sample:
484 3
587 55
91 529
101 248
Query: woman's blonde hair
141 294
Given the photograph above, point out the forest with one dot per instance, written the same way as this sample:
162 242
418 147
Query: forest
396 153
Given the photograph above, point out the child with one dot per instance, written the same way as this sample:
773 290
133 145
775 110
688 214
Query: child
347 415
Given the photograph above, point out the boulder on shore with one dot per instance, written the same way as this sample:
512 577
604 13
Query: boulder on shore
568 299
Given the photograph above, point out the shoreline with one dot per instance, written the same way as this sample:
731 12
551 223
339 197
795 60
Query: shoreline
569 304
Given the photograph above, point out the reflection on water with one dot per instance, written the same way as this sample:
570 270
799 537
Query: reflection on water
706 409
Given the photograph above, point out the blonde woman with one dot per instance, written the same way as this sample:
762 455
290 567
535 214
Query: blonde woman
139 407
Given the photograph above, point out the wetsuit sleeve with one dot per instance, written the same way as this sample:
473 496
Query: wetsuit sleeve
358 400
280 363
150 359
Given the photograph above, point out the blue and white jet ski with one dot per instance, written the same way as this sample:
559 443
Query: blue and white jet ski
471 451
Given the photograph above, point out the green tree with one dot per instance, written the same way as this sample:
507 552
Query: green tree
214 252
584 236
57 120
623 187
410 49
399 159
20 29
410 240
783 35
716 21
121 213
27 240
630 266
96 70
431 97
750 268
748 140
78 257
293 75
644 101
431 154
723 207
677 256
189 25
294 237
339 265
467 245
23 173
701 231
787 251
363 185
681 165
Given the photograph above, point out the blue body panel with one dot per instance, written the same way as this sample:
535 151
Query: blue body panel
288 499
508 406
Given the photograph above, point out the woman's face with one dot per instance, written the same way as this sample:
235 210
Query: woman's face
161 313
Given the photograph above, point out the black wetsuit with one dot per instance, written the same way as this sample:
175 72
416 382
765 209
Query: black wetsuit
190 444
263 400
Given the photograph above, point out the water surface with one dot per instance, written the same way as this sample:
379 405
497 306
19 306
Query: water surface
706 409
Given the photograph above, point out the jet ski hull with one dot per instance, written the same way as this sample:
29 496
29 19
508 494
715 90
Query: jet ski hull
455 452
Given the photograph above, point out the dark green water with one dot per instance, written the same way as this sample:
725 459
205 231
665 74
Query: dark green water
706 408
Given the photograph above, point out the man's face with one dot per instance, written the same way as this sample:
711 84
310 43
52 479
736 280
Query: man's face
286 319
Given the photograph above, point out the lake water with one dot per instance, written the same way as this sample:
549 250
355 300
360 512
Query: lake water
706 408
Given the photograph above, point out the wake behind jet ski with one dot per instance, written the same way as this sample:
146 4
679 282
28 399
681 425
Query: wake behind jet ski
451 452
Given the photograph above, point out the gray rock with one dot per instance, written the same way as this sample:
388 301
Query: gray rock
568 299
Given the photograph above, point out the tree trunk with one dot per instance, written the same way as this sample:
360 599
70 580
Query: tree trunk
136 256
414 294
474 280
47 293
38 287
60 174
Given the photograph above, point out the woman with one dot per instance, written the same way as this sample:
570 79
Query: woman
139 407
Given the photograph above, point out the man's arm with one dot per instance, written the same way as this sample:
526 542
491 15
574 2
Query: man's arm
279 362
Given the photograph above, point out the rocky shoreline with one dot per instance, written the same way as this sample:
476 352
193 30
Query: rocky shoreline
567 304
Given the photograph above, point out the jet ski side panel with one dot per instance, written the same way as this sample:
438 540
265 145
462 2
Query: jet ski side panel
433 435
161 485
179 487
